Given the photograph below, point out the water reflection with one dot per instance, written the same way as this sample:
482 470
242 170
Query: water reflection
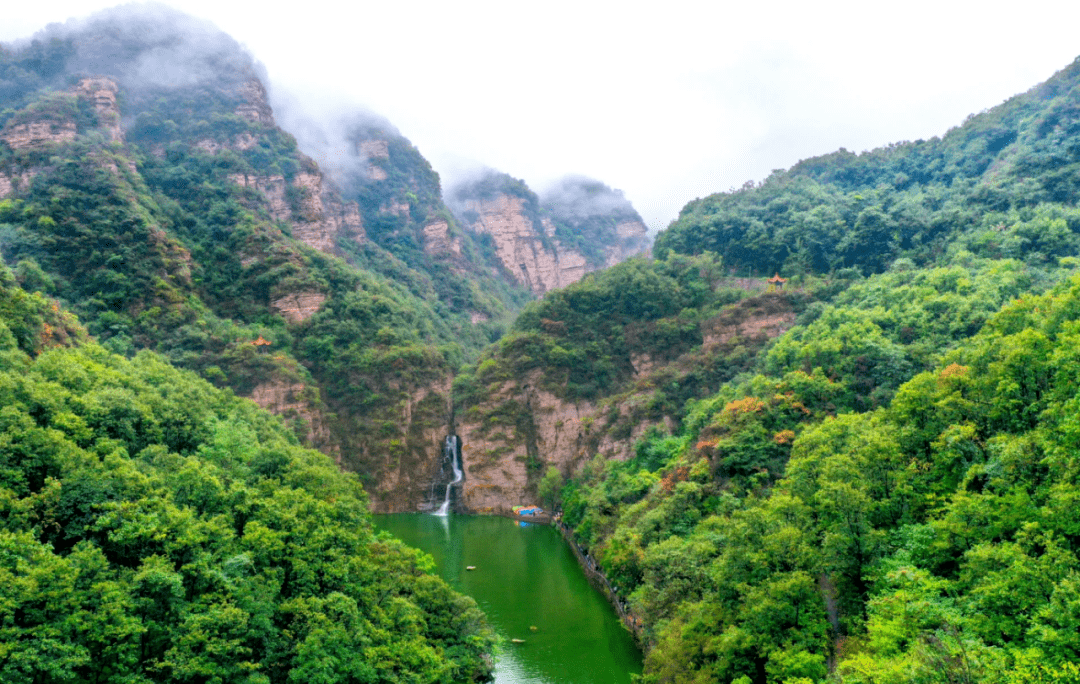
526 578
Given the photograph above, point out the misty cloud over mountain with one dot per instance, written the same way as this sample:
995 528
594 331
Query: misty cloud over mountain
579 197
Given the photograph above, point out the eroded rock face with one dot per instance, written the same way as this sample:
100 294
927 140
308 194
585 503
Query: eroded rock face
719 331
537 261
297 307
37 134
438 240
409 464
522 424
10 184
551 432
273 190
632 237
291 401
240 142
101 91
320 216
256 105
372 150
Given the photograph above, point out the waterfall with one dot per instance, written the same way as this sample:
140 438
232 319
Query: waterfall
450 448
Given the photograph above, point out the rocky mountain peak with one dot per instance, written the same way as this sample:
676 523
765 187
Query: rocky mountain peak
580 225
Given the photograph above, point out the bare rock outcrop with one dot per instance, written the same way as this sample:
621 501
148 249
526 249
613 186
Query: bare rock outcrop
632 237
371 150
10 184
297 307
239 143
720 330
498 460
521 429
101 91
36 134
319 217
256 104
408 462
273 190
535 258
292 401
439 240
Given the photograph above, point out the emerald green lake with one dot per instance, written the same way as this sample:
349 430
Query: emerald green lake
526 577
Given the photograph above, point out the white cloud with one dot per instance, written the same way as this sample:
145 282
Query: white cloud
666 101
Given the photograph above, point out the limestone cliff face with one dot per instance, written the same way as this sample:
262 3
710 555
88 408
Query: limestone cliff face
317 217
579 225
296 401
521 429
631 238
402 445
101 91
36 134
497 459
256 105
297 307
373 152
51 129
533 257
438 239
11 183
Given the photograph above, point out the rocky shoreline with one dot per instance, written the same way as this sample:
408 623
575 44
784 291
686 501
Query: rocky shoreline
600 582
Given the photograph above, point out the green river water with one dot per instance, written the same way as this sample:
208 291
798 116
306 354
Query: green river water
526 577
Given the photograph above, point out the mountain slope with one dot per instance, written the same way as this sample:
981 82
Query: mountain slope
580 225
979 187
157 529
145 182
856 474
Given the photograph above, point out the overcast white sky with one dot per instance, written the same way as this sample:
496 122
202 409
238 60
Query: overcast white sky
667 101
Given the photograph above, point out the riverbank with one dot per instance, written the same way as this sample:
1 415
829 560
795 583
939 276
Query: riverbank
596 577
531 586
600 582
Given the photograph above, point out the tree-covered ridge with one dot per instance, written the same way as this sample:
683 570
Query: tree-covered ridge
790 527
400 196
582 337
180 232
155 528
997 182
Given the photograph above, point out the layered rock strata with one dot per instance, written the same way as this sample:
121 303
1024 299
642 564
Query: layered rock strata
535 259
319 217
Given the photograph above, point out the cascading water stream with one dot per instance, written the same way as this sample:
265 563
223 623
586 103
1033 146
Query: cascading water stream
450 447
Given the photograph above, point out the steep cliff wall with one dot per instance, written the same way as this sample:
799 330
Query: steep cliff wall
580 226
521 426
36 134
533 257
311 205
101 91
400 445
509 441
296 401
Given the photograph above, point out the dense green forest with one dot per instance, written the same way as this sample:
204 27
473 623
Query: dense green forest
867 475
887 491
199 226
157 529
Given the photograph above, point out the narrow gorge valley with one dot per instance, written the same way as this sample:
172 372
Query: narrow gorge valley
821 428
